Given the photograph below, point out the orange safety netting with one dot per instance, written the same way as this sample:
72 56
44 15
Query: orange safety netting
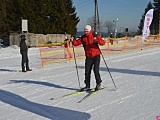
52 54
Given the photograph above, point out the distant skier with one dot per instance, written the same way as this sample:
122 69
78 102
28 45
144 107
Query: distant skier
111 40
24 53
90 43
111 36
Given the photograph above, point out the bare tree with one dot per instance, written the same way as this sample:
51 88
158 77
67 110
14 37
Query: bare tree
90 21
110 26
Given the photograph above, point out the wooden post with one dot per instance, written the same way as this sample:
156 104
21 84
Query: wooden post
108 47
125 43
42 64
68 51
137 39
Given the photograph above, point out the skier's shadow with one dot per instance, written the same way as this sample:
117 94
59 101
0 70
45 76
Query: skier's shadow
85 97
7 70
41 83
128 71
46 111
92 92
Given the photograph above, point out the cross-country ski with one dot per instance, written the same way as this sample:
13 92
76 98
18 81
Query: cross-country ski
90 93
71 94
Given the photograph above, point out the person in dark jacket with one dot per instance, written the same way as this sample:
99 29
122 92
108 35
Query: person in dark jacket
90 43
24 53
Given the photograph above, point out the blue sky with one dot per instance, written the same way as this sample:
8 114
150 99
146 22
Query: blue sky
128 12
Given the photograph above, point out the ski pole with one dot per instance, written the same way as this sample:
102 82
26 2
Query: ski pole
95 35
107 68
76 65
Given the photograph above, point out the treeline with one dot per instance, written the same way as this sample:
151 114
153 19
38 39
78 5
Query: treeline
154 27
52 17
44 16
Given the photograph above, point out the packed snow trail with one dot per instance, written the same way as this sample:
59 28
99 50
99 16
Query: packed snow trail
26 95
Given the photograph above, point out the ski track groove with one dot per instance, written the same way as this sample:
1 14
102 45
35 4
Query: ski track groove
134 87
113 102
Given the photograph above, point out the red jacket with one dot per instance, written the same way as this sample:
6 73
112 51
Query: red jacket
89 43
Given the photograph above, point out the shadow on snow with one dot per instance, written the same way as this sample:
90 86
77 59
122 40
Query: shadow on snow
7 70
128 71
46 111
41 83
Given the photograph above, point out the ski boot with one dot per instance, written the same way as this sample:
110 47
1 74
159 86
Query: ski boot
98 87
86 88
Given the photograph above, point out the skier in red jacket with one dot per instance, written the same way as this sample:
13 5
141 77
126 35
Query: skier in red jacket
90 43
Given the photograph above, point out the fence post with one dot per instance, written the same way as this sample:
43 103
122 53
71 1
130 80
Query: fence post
159 38
42 64
137 38
149 44
125 43
68 50
108 47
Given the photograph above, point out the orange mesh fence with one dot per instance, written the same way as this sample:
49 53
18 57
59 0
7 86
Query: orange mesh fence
129 44
54 54
51 54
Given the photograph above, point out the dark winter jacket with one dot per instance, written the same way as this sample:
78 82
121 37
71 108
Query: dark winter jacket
23 45
90 44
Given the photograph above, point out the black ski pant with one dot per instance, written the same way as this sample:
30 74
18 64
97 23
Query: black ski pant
89 63
25 61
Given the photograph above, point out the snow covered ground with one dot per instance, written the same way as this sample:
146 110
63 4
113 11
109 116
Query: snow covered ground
26 96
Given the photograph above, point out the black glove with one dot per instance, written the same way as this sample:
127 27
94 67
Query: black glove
66 39
74 37
95 34
95 41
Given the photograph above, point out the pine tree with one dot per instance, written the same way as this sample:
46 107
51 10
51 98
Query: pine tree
156 17
73 20
44 16
14 16
65 17
4 22
149 6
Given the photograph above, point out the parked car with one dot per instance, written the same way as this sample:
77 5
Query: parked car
1 43
5 42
